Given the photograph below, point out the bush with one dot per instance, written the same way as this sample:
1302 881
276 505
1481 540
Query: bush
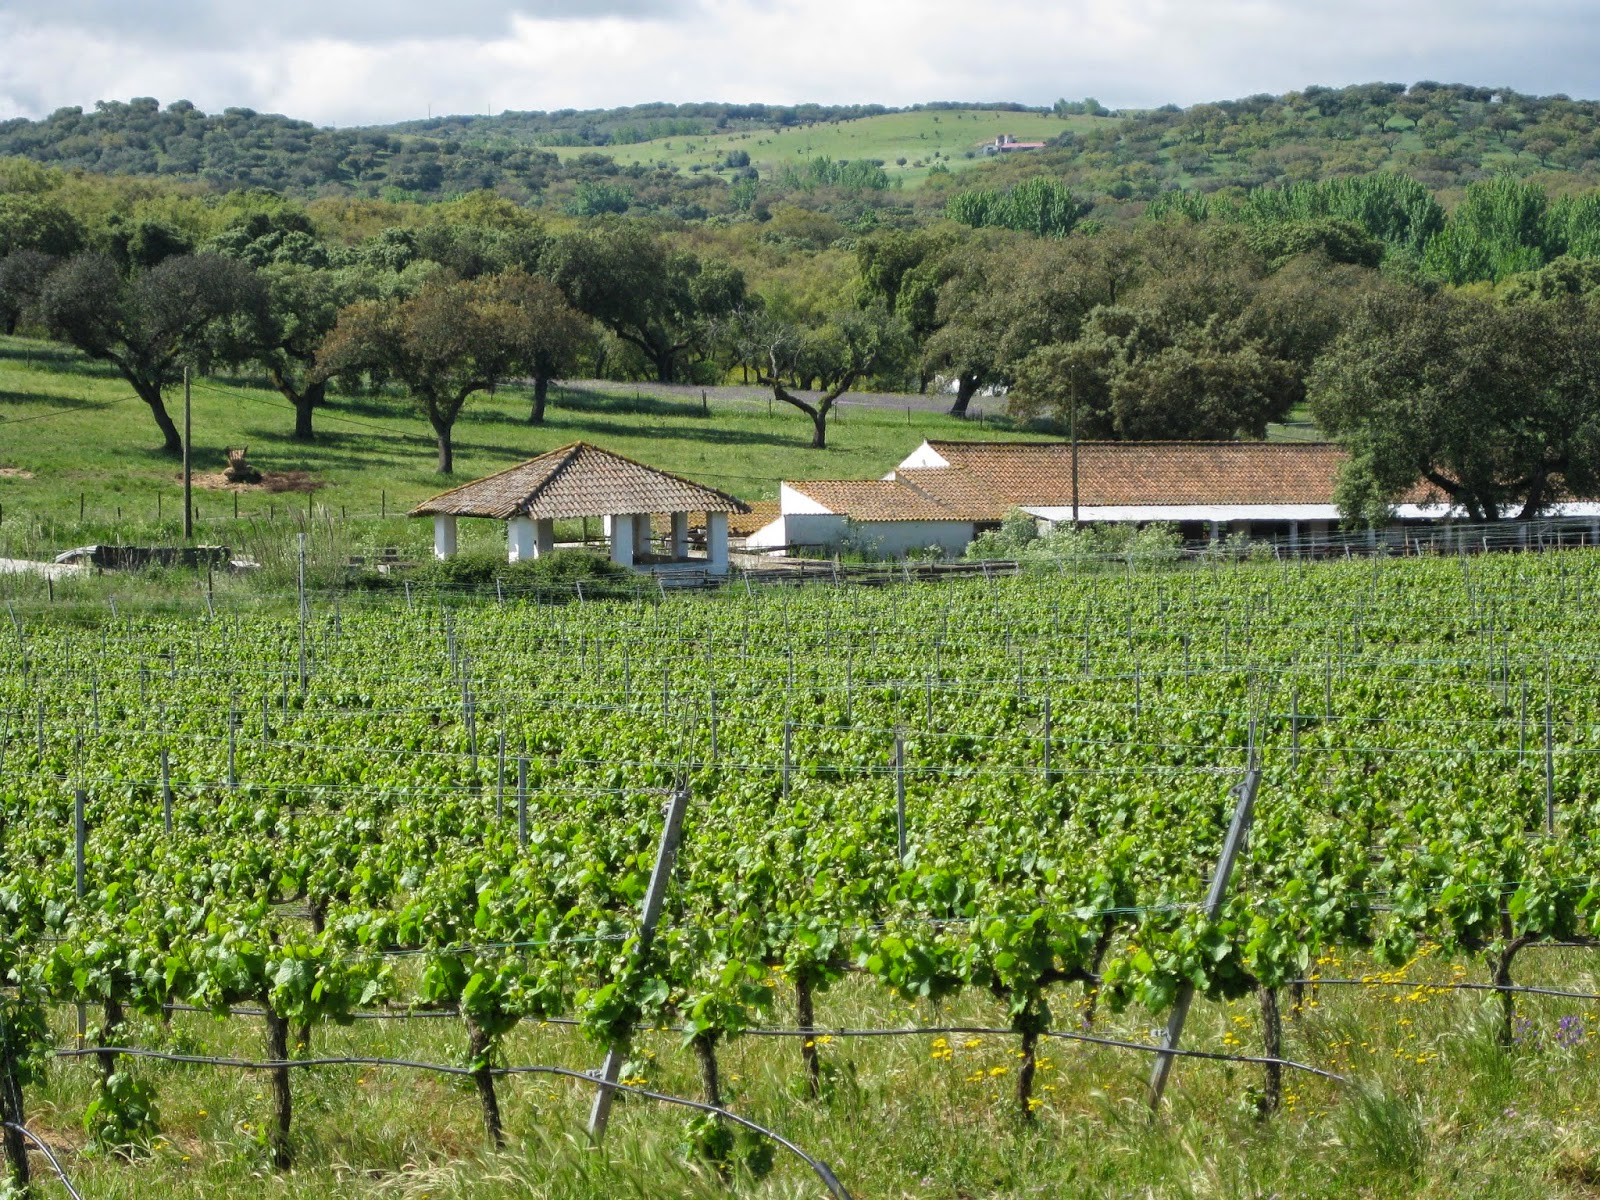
557 572
1018 538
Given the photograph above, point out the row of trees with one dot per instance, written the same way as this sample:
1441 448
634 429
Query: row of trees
1210 321
487 307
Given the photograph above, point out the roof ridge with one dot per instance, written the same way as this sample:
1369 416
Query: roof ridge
516 466
658 471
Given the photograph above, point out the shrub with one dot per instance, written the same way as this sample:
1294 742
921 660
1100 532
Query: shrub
556 572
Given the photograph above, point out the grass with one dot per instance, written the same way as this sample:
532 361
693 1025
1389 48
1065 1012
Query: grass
901 1117
84 445
919 137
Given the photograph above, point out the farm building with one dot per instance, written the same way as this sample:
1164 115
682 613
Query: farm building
944 493
581 481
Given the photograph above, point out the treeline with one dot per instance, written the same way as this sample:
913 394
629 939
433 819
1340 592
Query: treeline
1502 226
1443 136
1471 371
241 148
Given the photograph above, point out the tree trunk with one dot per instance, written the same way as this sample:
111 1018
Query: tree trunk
541 390
1508 999
664 365
172 440
705 1050
305 403
1272 1047
1025 1070
110 1027
282 1097
805 1018
966 389
447 458
478 1046
819 429
11 1105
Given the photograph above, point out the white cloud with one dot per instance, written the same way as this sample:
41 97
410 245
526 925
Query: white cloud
540 54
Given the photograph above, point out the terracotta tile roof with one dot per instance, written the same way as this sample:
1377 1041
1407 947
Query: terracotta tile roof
959 491
578 480
1129 473
875 500
762 513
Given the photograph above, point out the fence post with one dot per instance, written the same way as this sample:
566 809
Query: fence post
1047 740
500 775
654 897
80 839
1232 847
900 795
522 802
1549 767
788 746
302 590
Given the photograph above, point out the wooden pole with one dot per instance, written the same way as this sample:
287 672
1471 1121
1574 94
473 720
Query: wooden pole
654 899
1232 848
188 470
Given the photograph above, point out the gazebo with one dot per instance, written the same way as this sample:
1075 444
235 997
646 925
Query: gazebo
580 480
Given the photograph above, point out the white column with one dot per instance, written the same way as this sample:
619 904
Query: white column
680 535
544 536
717 543
621 540
1294 538
519 539
444 535
641 534
1216 527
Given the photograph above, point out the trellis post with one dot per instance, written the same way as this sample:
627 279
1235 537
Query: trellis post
1232 847
654 898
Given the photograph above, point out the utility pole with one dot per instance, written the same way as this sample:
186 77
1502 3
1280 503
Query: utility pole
188 483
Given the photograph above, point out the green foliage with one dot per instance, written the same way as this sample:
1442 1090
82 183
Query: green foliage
1497 231
1018 540
1041 206
555 573
846 176
124 1117
593 198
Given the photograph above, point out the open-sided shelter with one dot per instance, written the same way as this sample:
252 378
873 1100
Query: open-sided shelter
580 480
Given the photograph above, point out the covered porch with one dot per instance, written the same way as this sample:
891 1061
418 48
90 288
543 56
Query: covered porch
645 513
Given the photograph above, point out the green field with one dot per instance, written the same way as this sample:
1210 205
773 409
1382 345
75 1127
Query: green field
346 847
922 137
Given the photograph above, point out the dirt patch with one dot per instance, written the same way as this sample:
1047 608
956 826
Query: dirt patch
271 481
15 473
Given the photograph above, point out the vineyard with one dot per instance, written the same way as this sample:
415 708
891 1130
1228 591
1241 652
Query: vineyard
790 856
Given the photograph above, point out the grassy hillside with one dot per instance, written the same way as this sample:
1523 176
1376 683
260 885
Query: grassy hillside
664 159
73 434
952 138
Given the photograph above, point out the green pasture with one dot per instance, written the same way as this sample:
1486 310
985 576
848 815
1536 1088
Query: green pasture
921 138
78 457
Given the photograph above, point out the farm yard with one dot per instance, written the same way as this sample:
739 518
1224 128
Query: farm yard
943 878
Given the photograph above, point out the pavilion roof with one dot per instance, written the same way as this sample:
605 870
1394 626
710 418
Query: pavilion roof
578 480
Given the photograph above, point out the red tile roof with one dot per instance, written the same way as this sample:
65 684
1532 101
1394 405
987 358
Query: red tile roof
578 480
875 500
1014 474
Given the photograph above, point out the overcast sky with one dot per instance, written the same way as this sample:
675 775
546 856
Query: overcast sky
340 63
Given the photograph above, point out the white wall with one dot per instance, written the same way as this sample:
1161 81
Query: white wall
923 456
893 539
888 539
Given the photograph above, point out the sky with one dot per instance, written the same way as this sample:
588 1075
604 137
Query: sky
338 63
